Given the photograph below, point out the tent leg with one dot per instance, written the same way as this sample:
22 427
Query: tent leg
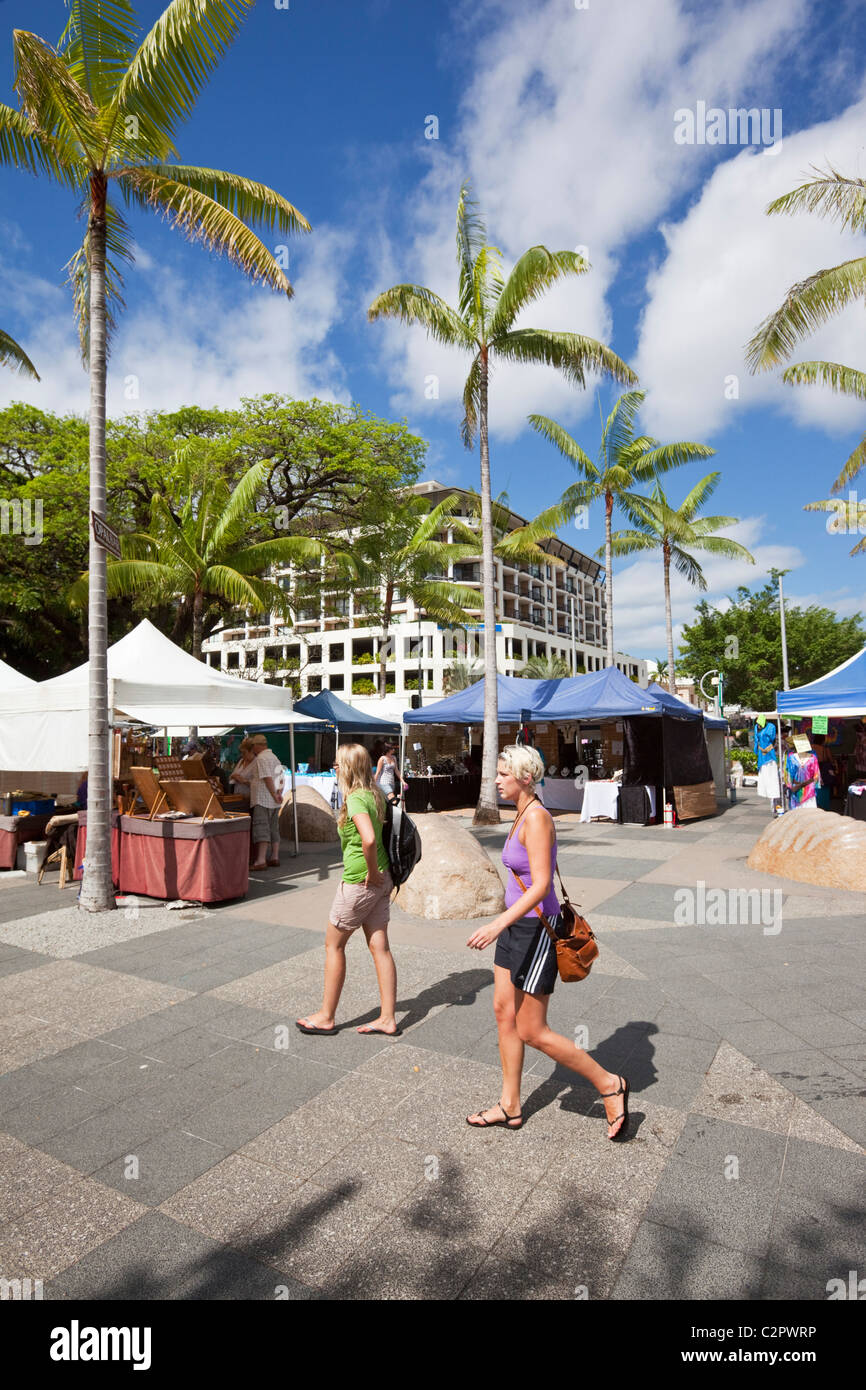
782 796
294 797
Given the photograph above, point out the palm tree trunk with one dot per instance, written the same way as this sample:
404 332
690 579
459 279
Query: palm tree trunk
487 811
197 616
666 552
383 644
97 890
608 574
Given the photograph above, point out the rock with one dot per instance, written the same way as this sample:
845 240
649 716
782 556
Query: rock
316 821
814 847
455 878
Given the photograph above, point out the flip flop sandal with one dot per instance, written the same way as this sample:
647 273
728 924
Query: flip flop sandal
623 1129
321 1032
489 1124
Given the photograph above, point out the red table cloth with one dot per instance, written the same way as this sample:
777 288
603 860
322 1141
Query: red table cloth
15 831
81 847
201 860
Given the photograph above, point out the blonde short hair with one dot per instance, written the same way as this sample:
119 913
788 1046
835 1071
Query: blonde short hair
523 762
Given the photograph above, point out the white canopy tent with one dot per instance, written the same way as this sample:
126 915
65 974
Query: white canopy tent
44 724
10 679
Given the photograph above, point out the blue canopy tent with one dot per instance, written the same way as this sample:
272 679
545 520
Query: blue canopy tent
664 737
327 707
677 706
840 694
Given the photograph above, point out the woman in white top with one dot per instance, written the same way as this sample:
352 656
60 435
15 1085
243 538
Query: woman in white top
387 775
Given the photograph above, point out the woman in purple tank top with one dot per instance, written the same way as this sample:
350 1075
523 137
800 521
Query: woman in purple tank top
524 964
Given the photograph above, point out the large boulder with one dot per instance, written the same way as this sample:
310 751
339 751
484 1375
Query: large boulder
316 821
455 878
814 847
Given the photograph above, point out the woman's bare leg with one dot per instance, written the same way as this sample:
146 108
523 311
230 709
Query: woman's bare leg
510 1047
533 1028
335 975
386 974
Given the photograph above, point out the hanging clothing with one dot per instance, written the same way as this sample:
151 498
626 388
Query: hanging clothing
764 745
798 771
860 752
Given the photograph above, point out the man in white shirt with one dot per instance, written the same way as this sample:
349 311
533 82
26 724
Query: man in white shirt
265 776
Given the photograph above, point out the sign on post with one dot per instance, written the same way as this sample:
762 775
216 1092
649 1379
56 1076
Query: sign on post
104 535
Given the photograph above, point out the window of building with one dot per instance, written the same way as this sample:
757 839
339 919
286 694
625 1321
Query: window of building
517 648
233 661
314 654
337 652
336 681
314 684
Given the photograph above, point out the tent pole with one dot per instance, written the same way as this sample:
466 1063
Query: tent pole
294 797
782 797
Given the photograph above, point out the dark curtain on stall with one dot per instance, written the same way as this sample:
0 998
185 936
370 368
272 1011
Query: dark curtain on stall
643 754
666 752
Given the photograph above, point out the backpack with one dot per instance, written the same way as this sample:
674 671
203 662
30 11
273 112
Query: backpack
402 843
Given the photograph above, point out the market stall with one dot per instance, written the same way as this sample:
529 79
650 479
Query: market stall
834 708
196 859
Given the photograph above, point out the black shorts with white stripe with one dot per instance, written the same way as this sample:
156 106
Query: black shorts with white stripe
526 951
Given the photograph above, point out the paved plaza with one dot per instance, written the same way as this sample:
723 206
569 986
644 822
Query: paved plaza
166 1132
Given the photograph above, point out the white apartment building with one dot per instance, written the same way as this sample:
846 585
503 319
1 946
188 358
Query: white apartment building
541 610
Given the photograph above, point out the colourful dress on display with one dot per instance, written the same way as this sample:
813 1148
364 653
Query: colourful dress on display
798 771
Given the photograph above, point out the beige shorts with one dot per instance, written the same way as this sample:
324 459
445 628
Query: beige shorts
358 906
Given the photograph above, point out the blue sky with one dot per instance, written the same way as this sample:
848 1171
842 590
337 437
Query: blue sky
564 120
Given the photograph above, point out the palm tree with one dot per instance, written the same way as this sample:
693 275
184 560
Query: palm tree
404 556
462 674
545 668
854 516
661 526
812 302
13 355
624 462
201 553
100 112
483 325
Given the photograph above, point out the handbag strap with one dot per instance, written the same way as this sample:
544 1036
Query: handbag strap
550 932
565 896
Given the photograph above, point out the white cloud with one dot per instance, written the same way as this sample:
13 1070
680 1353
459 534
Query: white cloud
727 267
567 132
188 340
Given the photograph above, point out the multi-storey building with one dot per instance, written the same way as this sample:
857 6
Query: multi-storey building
541 610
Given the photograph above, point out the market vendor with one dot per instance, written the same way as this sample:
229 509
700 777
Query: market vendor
265 777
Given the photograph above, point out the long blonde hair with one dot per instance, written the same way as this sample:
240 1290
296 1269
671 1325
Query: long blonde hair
355 774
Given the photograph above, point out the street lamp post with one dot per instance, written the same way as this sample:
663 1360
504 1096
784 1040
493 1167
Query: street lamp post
785 685
573 638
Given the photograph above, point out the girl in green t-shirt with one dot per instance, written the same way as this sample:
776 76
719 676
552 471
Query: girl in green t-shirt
363 898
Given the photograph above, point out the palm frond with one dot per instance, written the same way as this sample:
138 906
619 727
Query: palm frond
617 435
98 43
253 203
565 443
416 305
572 353
23 146
471 240
283 550
200 218
806 307
664 457
699 494
471 403
173 62
688 567
831 195
118 248
846 380
13 355
61 110
852 467
536 270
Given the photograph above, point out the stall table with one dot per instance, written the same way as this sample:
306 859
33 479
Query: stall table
442 792
17 830
81 847
602 799
200 860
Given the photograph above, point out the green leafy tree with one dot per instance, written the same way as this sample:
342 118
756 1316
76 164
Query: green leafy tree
484 326
198 548
744 641
13 355
676 532
461 675
625 461
812 302
99 115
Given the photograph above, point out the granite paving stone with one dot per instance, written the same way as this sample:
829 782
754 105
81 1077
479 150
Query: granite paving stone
664 1263
73 1220
163 1166
695 1200
230 1196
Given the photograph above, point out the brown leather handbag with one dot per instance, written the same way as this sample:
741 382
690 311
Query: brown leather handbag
577 948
